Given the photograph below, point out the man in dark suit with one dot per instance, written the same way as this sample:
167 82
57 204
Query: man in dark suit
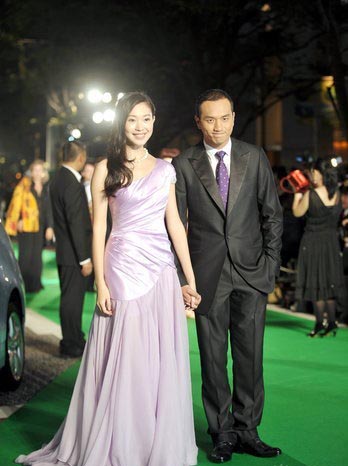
227 195
73 230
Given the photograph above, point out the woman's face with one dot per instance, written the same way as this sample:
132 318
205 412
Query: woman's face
37 173
139 125
317 178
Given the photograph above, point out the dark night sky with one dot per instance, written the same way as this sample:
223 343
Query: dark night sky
172 49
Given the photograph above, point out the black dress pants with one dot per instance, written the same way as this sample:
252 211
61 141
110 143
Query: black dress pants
238 312
73 288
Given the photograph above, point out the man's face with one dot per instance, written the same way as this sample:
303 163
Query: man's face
87 172
216 122
81 158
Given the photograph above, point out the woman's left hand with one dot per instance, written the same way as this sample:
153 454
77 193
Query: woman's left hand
49 234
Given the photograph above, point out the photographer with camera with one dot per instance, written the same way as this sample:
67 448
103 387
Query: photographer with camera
320 270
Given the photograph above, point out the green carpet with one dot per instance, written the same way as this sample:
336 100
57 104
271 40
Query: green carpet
306 408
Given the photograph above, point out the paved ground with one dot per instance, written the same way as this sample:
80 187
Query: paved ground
42 364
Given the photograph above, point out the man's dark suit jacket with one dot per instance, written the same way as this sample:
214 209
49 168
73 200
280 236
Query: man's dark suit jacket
249 232
72 223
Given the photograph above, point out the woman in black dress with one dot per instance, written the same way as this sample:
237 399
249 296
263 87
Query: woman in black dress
320 270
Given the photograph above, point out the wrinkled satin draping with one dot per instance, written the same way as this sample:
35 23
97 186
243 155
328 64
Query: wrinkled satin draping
138 247
132 403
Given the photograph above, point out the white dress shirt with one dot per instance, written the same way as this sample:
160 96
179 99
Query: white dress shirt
211 151
78 176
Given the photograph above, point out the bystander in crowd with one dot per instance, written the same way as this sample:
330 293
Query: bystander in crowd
29 218
320 270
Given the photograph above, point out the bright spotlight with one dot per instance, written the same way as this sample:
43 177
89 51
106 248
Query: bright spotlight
107 97
71 138
335 161
120 95
76 133
94 96
98 117
109 115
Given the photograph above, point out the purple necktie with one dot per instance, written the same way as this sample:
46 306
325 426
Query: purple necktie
222 177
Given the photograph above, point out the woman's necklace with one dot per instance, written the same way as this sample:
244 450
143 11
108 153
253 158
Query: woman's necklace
145 156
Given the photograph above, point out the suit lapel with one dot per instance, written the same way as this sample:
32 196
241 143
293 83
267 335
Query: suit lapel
200 164
239 164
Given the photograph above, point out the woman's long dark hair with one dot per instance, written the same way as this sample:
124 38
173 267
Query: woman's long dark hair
119 175
329 173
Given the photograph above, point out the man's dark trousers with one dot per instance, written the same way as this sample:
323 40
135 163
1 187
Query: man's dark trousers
238 310
73 287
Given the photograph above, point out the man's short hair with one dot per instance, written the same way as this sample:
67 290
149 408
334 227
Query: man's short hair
71 150
212 95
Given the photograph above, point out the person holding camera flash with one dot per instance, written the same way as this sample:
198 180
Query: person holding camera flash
320 271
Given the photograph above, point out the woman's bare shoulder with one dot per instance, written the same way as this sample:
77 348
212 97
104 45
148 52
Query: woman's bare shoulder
102 166
102 163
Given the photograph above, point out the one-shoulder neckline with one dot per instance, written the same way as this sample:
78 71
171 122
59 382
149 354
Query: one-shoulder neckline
147 175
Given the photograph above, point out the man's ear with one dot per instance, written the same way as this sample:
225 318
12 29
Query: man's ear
198 122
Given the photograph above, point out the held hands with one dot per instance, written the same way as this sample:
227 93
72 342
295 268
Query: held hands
191 298
103 300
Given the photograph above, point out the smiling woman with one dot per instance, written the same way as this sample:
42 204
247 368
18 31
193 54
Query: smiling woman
133 127
132 399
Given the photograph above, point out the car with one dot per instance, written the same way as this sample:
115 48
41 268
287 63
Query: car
12 316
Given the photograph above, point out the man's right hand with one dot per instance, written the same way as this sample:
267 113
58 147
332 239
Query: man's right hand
87 269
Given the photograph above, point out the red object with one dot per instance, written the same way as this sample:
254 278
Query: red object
297 180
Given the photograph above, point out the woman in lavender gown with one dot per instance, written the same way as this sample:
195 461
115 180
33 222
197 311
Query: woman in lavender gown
132 402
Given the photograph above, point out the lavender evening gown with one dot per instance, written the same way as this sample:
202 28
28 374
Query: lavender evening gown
132 402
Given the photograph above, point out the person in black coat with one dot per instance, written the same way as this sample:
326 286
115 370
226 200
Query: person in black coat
73 230
227 195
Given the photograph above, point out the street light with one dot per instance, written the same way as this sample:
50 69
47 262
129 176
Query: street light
94 96
76 133
98 117
107 97
109 115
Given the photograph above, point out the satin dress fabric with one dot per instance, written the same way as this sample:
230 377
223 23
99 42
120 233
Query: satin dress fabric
132 402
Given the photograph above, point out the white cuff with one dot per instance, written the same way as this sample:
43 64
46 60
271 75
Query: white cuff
85 261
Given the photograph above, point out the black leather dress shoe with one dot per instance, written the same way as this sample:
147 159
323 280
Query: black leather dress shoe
256 447
221 453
